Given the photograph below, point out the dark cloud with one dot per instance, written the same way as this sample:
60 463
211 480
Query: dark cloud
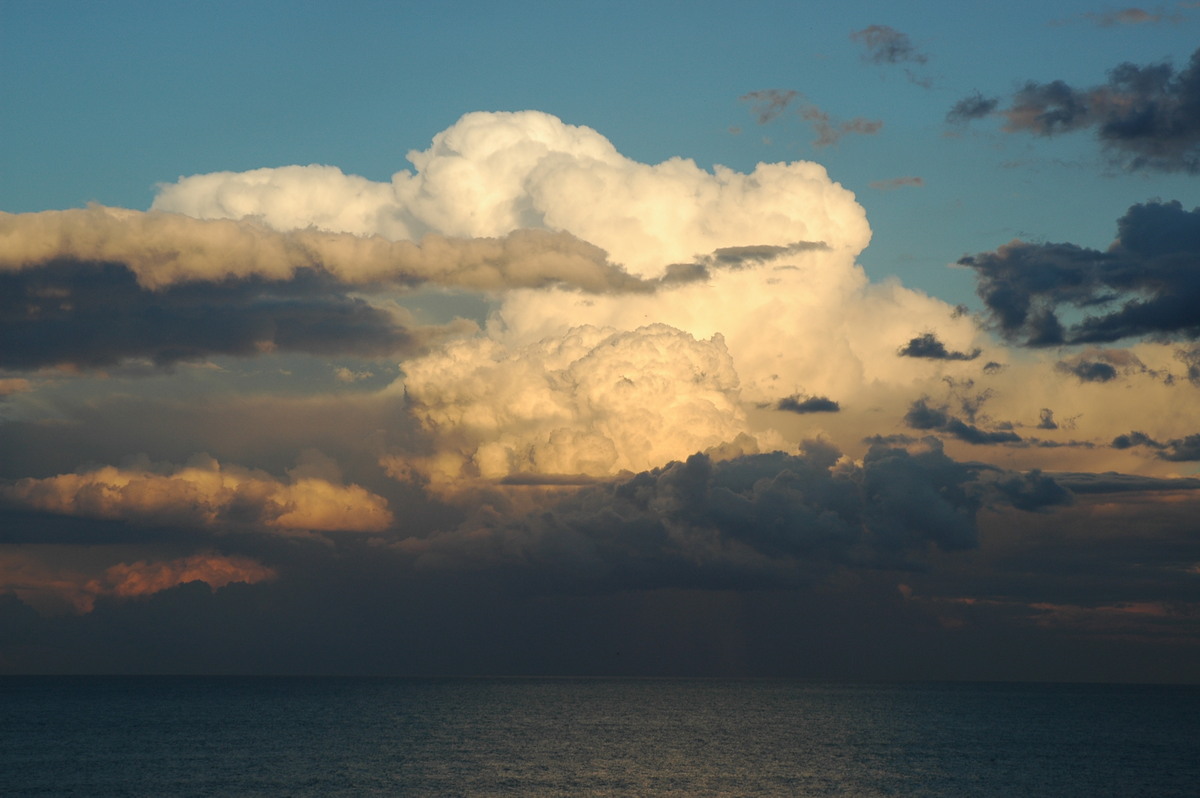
1146 117
1046 420
1033 491
921 415
742 257
975 106
1177 450
1147 284
96 314
808 404
1112 482
927 345
1089 371
753 521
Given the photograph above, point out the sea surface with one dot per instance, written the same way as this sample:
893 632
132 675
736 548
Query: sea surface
300 736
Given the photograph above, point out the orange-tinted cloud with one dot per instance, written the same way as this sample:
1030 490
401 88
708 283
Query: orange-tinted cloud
54 588
205 494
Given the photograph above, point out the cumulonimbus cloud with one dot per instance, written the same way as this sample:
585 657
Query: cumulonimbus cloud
493 173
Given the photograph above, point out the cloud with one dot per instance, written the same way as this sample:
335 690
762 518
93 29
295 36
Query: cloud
595 402
166 249
921 415
830 131
897 182
54 588
494 173
976 106
759 520
807 404
929 347
94 315
1176 450
205 494
768 105
1143 285
886 45
1129 16
1145 117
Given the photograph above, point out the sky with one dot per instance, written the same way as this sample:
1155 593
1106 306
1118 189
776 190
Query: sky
706 339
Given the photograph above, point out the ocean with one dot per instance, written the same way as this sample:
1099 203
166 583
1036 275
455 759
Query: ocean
325 736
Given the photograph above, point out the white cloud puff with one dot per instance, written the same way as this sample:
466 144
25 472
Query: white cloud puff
594 401
492 173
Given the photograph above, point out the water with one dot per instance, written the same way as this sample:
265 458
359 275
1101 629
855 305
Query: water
221 736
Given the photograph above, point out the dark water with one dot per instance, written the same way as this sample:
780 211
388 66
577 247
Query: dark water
168 736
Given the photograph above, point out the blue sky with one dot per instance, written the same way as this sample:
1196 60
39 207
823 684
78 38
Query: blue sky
611 354
115 98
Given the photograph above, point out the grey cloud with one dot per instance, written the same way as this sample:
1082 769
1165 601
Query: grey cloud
921 415
929 347
93 315
1146 117
1147 284
1112 482
758 520
1176 450
808 404
976 106
740 257
1089 370
1033 491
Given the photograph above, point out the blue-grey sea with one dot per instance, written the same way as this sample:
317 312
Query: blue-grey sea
299 736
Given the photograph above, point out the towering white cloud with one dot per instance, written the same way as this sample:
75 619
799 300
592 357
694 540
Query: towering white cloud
492 173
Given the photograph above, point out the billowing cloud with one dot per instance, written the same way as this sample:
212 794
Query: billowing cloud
765 519
1146 117
205 493
1145 284
494 173
594 402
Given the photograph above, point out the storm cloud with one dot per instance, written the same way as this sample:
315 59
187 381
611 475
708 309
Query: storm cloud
1145 117
1146 284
